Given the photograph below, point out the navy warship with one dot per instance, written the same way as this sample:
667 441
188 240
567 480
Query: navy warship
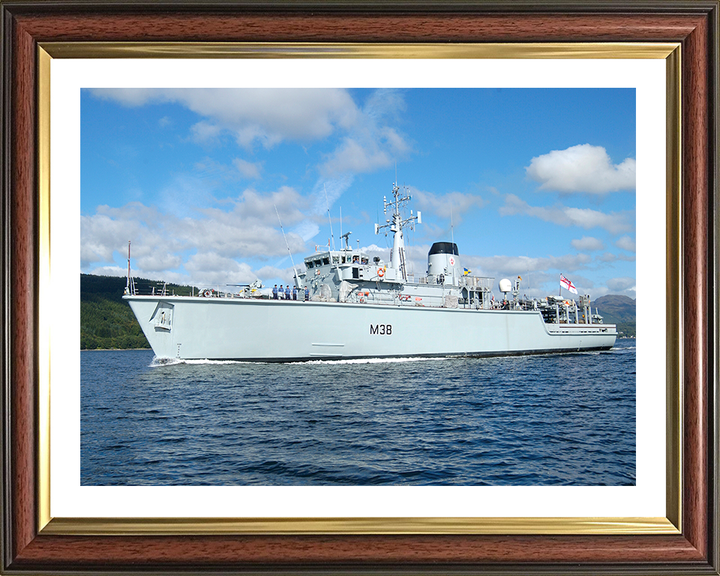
347 304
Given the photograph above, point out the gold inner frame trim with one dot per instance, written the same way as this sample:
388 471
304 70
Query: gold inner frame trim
44 307
534 525
566 50
292 526
674 289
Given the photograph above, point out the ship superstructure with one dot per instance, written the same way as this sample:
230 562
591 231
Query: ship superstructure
353 305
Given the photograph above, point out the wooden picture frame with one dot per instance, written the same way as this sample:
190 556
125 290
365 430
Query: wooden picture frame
28 547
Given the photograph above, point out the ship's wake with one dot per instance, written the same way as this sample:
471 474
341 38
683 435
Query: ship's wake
373 360
159 362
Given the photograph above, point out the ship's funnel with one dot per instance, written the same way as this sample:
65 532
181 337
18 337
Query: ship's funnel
444 259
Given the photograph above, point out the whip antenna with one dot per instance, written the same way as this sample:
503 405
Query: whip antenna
286 243
452 228
327 203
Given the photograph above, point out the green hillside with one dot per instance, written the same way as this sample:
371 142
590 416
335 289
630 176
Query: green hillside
618 310
106 321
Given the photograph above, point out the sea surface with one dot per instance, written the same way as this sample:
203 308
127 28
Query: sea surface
565 419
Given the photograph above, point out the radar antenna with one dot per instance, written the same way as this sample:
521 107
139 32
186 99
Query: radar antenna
395 223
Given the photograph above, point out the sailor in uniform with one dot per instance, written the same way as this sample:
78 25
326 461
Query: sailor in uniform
275 297
287 292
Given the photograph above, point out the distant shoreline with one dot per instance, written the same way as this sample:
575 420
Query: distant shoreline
110 349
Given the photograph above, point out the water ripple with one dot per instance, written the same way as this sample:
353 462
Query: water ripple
559 420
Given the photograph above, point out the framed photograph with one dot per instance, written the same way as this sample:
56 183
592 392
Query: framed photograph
78 77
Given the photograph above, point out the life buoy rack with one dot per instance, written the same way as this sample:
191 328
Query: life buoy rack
381 272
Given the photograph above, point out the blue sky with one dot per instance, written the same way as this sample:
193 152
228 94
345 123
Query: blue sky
538 181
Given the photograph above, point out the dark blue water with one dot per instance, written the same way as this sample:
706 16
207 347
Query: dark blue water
538 420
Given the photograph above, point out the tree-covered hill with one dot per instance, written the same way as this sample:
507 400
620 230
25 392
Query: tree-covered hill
106 320
620 310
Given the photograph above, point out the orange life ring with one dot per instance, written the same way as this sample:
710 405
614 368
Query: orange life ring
381 272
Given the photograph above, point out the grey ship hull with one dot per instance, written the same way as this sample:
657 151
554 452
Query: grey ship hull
274 330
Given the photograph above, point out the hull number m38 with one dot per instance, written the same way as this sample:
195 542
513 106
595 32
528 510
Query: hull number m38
381 329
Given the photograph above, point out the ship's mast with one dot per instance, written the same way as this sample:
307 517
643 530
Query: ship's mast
130 283
396 223
127 283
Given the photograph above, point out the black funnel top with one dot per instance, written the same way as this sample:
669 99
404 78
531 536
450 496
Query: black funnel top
444 248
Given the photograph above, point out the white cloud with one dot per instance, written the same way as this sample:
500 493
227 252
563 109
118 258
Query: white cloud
285 275
453 204
514 265
306 230
103 235
158 261
587 244
265 116
208 244
623 284
324 194
371 143
582 168
327 190
247 169
608 257
110 271
614 222
209 268
351 156
626 243
187 190
129 97
203 132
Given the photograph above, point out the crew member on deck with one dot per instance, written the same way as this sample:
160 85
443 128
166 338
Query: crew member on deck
287 292
275 297
281 292
294 292
307 294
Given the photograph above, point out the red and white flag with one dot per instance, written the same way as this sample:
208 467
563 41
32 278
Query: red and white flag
565 283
